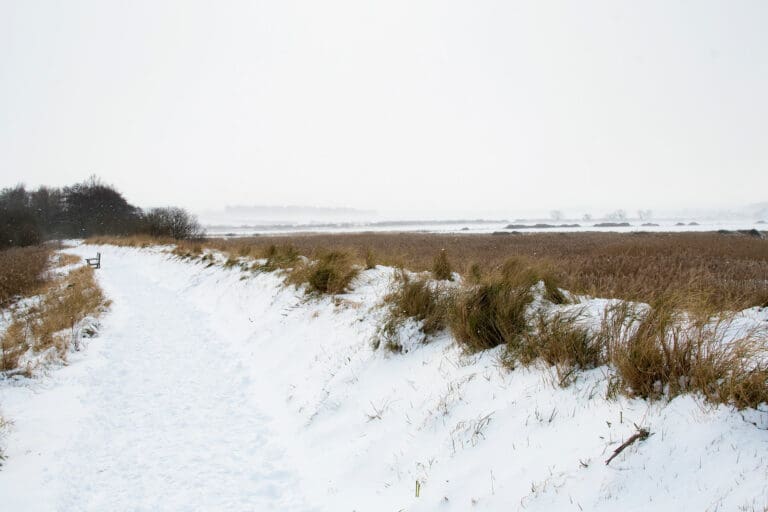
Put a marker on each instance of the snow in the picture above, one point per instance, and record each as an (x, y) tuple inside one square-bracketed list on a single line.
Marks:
[(241, 229), (212, 388)]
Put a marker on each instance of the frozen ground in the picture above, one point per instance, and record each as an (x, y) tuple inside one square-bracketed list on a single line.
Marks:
[(212, 389)]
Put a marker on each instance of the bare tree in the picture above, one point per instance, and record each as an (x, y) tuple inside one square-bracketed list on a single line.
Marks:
[(172, 222)]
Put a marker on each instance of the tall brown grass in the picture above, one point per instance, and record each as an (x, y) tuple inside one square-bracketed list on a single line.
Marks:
[(21, 272), (494, 312), (561, 340), (64, 259), (139, 241), (329, 272), (666, 351), (413, 298), (441, 267), (277, 256), (725, 271), (51, 322), (681, 342)]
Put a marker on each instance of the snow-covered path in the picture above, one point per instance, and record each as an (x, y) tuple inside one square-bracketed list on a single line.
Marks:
[(167, 419)]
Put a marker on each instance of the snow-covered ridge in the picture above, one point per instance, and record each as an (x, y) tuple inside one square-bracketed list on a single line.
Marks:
[(213, 388)]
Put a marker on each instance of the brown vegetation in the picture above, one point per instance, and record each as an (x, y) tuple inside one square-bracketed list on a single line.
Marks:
[(563, 341), (51, 321), (21, 272), (329, 272), (139, 241), (666, 351), (721, 271), (676, 344), (494, 312), (64, 259), (413, 298), (441, 267)]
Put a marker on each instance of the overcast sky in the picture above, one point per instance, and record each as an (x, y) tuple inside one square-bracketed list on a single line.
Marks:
[(473, 105)]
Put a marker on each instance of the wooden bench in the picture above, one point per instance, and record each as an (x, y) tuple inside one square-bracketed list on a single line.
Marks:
[(94, 262)]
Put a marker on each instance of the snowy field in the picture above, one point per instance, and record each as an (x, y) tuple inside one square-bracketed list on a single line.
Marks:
[(213, 389), (662, 225)]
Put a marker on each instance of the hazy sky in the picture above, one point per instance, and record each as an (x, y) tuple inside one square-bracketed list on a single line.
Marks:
[(472, 105)]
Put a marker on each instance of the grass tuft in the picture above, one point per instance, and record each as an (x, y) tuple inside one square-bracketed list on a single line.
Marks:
[(667, 352), (330, 273), (370, 259), (418, 299), (494, 312), (490, 314), (560, 340), (441, 267), (278, 257)]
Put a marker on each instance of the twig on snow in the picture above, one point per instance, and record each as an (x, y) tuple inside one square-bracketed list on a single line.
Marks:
[(641, 435)]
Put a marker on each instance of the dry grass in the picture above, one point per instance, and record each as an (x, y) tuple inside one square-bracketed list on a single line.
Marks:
[(441, 267), (139, 241), (328, 272), (63, 259), (21, 272), (677, 345), (13, 344), (490, 314), (493, 312), (413, 298), (560, 340), (50, 323), (667, 352), (370, 259), (278, 257), (192, 250), (723, 271)]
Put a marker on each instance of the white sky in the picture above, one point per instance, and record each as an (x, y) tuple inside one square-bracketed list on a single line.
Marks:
[(474, 105)]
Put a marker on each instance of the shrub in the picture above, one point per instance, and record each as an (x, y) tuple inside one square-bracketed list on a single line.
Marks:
[(171, 222), (332, 272), (441, 267), (18, 228)]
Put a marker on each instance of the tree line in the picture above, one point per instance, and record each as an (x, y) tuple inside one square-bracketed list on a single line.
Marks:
[(90, 208)]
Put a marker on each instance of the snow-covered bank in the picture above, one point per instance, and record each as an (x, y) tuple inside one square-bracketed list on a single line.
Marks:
[(211, 388)]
